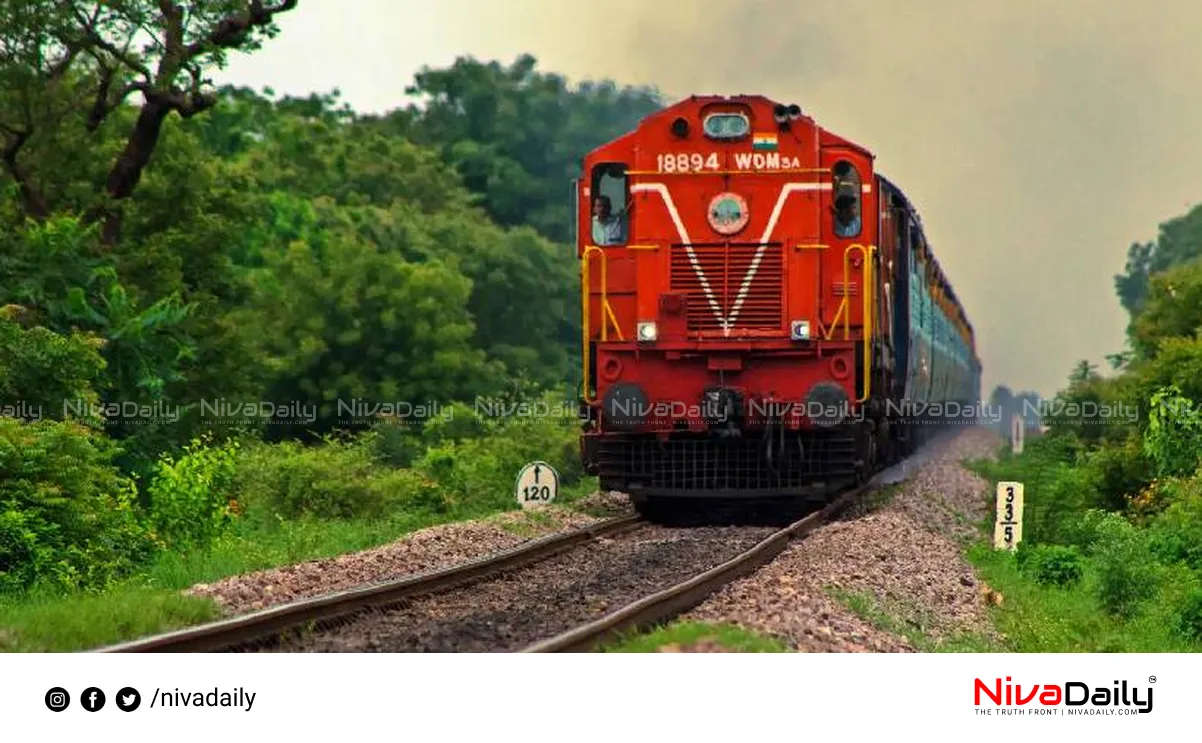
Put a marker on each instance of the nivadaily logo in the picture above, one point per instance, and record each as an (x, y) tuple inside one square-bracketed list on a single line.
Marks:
[(1072, 698)]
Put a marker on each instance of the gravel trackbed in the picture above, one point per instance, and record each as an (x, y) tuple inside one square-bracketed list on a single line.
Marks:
[(901, 561), (422, 551), (536, 602)]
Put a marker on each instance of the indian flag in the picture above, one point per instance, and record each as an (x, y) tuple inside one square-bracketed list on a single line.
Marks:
[(764, 142)]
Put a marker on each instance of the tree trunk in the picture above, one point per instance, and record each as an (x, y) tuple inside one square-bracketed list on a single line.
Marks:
[(127, 171)]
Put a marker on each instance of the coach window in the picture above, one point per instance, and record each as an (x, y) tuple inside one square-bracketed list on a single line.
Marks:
[(610, 221), (846, 199)]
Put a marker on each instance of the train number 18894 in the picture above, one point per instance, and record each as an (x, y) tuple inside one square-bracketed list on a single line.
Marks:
[(686, 162)]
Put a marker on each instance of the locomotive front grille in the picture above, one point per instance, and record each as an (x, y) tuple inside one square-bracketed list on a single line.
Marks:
[(699, 465), (727, 270)]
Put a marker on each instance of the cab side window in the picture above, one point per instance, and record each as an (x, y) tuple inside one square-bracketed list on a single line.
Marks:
[(845, 199), (610, 222)]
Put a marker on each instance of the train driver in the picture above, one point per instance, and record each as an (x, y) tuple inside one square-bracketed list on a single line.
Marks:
[(847, 216), (607, 226)]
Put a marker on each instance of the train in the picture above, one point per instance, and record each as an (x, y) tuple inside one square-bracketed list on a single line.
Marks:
[(762, 314)]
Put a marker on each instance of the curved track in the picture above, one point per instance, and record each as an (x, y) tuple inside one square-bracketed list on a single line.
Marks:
[(266, 624), (567, 592)]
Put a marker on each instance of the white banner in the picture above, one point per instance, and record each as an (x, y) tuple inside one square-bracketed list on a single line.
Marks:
[(653, 697)]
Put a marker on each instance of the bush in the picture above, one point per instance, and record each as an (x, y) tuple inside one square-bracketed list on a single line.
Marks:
[(1175, 534), (1127, 574), (478, 473), (1189, 615), (461, 462), (291, 480), (1116, 472), (67, 516), (1173, 440), (1052, 564), (44, 372), (190, 499), (395, 444)]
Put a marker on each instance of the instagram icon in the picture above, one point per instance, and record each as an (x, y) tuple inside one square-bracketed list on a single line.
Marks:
[(57, 699)]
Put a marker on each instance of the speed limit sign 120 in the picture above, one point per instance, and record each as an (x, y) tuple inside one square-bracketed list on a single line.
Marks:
[(538, 484)]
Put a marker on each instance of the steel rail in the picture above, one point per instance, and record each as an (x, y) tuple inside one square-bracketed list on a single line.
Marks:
[(248, 628), (671, 602)]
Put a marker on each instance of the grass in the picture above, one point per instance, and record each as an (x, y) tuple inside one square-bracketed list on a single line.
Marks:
[(685, 634), (1046, 619), (151, 601), (45, 622), (1035, 618), (532, 524), (912, 623)]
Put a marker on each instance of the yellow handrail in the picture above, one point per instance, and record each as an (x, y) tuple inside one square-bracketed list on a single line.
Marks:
[(867, 251), (869, 297), (608, 311)]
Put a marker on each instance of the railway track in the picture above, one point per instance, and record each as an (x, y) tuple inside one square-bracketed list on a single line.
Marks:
[(258, 626), (669, 603), (551, 595)]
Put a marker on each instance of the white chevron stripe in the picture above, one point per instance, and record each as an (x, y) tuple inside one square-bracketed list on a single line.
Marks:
[(662, 190), (745, 287), (787, 189)]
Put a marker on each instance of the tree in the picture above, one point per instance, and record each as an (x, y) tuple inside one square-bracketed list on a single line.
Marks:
[(517, 135), (342, 320), (402, 198), (1179, 242), (69, 64), (1172, 309)]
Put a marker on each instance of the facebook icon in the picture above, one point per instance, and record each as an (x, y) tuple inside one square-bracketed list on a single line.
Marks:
[(92, 699)]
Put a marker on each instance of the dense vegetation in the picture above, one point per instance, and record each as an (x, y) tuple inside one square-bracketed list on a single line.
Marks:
[(1111, 557), (176, 260)]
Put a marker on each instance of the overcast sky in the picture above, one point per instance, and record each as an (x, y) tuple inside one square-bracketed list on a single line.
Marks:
[(1038, 138)]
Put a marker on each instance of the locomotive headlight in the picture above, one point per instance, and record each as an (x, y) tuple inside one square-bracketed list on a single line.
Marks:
[(647, 331), (800, 330)]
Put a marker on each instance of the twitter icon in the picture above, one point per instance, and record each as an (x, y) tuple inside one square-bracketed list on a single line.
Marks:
[(128, 699)]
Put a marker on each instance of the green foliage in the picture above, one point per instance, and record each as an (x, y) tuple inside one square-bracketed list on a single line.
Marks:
[(68, 70), (190, 502), (516, 135), (1173, 309), (1055, 490), (1179, 243), (1175, 534), (334, 480), (480, 470), (1173, 439), (673, 637), (1094, 409), (1115, 472), (45, 621), (40, 370), (1038, 618), (410, 206), (67, 516), (53, 271), (1126, 570), (353, 164), (1189, 618), (1050, 564), (343, 320)]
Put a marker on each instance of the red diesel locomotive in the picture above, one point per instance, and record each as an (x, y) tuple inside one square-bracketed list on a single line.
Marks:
[(762, 314)]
